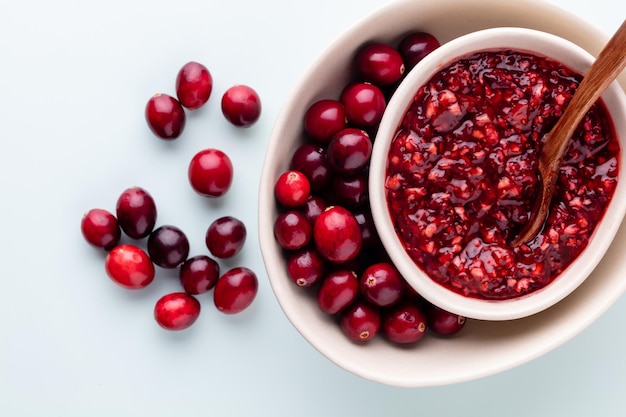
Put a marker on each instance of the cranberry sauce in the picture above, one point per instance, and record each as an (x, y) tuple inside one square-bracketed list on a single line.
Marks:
[(462, 173)]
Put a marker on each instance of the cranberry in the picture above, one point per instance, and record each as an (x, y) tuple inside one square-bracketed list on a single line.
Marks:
[(349, 151), (324, 118), (129, 266), (382, 284), (443, 322), (311, 161), (210, 173), (292, 189), (225, 237), (360, 321), (199, 274), (404, 323), (136, 212), (306, 267), (193, 85), (292, 230), (337, 291), (365, 220), (241, 105), (100, 228), (337, 235), (350, 191), (176, 311), (379, 64), (415, 46), (165, 116), (364, 103), (314, 206), (168, 246), (235, 290)]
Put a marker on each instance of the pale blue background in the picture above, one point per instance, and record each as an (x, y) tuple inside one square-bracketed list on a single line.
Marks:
[(74, 77)]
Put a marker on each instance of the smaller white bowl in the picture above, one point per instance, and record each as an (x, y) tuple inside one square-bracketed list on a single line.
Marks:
[(505, 38)]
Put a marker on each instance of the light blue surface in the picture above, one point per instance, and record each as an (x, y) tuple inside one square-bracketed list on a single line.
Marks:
[(74, 78)]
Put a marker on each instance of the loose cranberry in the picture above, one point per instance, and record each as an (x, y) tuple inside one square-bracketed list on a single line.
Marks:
[(404, 323), (443, 322), (349, 151), (379, 64), (360, 321), (176, 311), (337, 291), (292, 230), (100, 228), (311, 161), (241, 105), (350, 191), (365, 220), (168, 246), (364, 103), (323, 119), (165, 116), (136, 212), (210, 173), (415, 46), (314, 206), (306, 267), (337, 235), (199, 274), (129, 266), (292, 189), (235, 290), (193, 85), (382, 284), (225, 237)]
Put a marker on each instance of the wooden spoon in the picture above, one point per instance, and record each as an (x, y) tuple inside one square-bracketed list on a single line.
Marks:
[(605, 69)]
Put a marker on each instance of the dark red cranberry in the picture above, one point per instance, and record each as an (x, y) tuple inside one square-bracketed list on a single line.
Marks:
[(193, 85), (235, 290), (349, 151), (306, 267), (168, 246), (311, 161), (136, 212), (129, 266), (364, 218), (292, 230), (337, 291), (241, 105), (351, 191), (323, 119), (404, 323), (176, 311), (364, 103), (360, 321), (415, 46), (165, 116), (382, 284), (337, 235), (210, 173), (199, 274), (225, 237), (100, 228), (292, 189), (314, 206), (443, 322), (379, 64)]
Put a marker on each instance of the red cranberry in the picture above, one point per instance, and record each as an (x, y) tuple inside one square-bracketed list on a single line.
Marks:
[(210, 173), (364, 103), (235, 290), (415, 46), (100, 228), (379, 64), (292, 189), (199, 274), (443, 322), (136, 212), (351, 191), (311, 161), (404, 323), (292, 230), (193, 85), (349, 151), (337, 291), (360, 321), (225, 237), (165, 116), (241, 105), (324, 118), (382, 284), (306, 267), (314, 206), (129, 266), (337, 235), (364, 218), (168, 246), (176, 311)]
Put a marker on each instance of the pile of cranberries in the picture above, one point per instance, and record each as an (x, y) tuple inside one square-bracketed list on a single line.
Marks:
[(210, 172), (325, 224)]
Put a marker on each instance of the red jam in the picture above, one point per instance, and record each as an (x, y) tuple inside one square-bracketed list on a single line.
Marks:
[(462, 173)]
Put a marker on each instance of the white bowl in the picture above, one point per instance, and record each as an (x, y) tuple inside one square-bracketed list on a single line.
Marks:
[(483, 347), (541, 44)]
